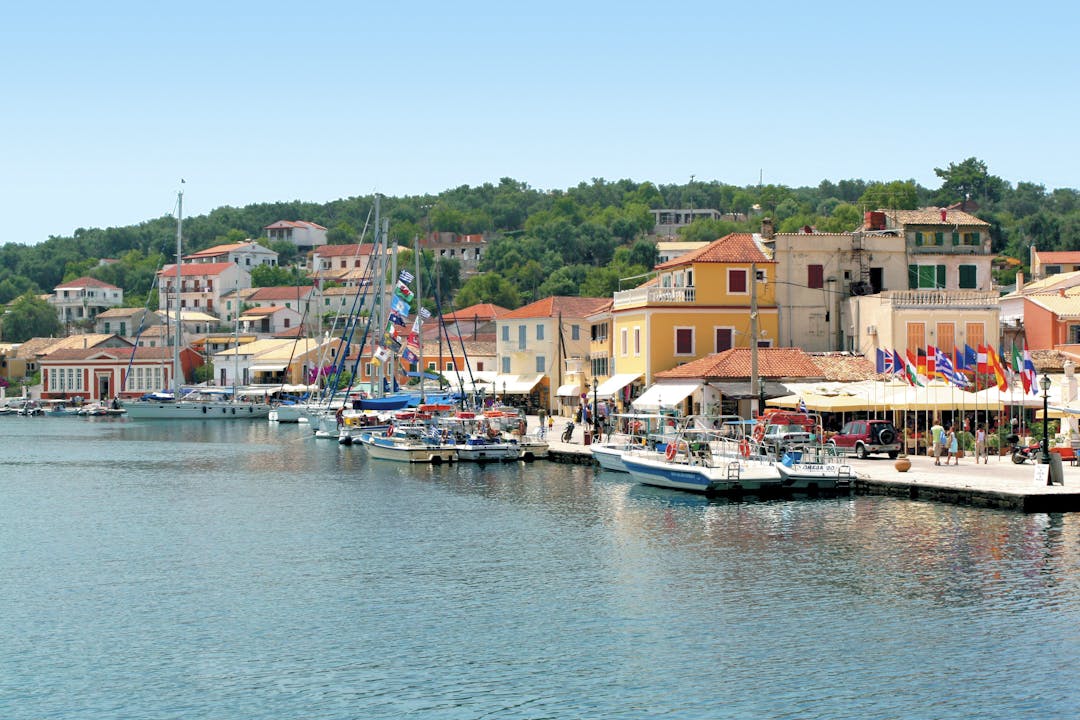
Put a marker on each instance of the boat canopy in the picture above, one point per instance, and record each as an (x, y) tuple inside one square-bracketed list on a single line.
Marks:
[(665, 395)]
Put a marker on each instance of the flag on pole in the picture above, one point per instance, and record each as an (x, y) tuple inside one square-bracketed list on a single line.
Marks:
[(402, 290), (409, 356), (1029, 372), (899, 368), (931, 362), (397, 318), (405, 276), (879, 361), (994, 361), (423, 312), (920, 362), (981, 366), (971, 359), (946, 370), (399, 305), (802, 405), (381, 355), (912, 370)]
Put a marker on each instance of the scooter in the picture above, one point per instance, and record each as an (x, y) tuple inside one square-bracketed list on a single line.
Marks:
[(1020, 455), (568, 432)]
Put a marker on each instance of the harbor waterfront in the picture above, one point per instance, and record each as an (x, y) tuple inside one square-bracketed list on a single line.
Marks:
[(228, 570)]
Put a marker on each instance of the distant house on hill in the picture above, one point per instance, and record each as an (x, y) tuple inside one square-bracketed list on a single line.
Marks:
[(84, 298), (248, 255), (304, 235)]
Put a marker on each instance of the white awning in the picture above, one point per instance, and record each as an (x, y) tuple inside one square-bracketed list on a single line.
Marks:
[(267, 368), (667, 395), (515, 384), (569, 390), (615, 383)]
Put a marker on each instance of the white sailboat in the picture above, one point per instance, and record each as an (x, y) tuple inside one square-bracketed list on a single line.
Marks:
[(197, 403)]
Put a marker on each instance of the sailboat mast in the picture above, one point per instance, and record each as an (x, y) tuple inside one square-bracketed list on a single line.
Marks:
[(177, 370), (419, 334), (380, 295)]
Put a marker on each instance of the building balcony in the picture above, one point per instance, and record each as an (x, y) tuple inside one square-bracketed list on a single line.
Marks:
[(654, 296), (970, 299)]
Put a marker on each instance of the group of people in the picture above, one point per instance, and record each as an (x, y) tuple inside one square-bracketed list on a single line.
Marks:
[(946, 443)]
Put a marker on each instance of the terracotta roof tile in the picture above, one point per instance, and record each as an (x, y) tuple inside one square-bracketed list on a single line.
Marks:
[(555, 305), (480, 311), (192, 269), (932, 216), (356, 249), (735, 364), (281, 292), (1058, 256), (733, 248), (86, 282)]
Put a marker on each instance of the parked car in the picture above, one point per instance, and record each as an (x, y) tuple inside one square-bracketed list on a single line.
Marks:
[(866, 437), (779, 438)]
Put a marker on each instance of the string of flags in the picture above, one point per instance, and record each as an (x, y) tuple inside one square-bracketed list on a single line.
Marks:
[(401, 304), (960, 367)]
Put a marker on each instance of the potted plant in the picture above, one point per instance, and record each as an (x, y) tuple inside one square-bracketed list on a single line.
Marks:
[(903, 462)]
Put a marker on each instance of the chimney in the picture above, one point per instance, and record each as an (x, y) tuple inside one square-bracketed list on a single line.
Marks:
[(1019, 281), (767, 230), (944, 214)]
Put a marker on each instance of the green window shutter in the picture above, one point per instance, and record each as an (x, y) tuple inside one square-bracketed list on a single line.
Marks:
[(975, 238), (926, 276), (956, 238), (968, 277), (913, 277), (940, 276), (939, 238), (918, 238)]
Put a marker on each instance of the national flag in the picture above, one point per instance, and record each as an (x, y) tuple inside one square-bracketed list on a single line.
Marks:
[(971, 359), (946, 370), (409, 356), (413, 339), (879, 361), (403, 290), (1029, 372), (911, 370), (423, 312), (405, 276), (899, 368), (920, 362), (397, 318), (392, 342), (981, 366), (931, 358), (381, 355), (802, 405), (994, 363), (416, 324), (399, 305)]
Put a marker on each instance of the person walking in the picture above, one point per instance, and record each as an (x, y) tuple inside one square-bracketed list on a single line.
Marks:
[(980, 445), (937, 438), (952, 445)]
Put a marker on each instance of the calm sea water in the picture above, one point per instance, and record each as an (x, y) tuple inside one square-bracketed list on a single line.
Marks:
[(248, 571)]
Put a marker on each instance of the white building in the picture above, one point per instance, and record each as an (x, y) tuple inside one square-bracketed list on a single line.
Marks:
[(84, 298)]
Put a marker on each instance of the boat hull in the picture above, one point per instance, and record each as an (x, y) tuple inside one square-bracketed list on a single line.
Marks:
[(384, 448), (185, 410), (733, 477)]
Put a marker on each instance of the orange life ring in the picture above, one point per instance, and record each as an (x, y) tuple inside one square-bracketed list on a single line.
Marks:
[(759, 432), (670, 452), (744, 447), (389, 431)]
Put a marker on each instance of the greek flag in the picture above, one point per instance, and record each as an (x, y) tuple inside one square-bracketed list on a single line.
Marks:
[(405, 276), (802, 405), (433, 431)]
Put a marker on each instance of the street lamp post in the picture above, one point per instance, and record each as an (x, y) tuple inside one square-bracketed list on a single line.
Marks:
[(504, 393), (1044, 381), (595, 405)]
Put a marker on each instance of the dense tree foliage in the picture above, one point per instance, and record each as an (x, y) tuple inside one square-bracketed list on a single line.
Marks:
[(572, 241), (30, 316)]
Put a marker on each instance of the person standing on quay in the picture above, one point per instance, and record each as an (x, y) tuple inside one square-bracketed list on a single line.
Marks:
[(937, 437), (952, 445), (980, 445)]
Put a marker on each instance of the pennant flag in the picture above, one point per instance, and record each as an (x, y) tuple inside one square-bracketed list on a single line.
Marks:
[(981, 365), (397, 318), (1029, 372), (399, 305), (405, 276), (802, 405)]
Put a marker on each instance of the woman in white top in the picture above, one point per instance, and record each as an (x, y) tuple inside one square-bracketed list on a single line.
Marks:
[(980, 445)]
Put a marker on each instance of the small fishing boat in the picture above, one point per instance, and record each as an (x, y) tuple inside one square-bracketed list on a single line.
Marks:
[(408, 443), (478, 448)]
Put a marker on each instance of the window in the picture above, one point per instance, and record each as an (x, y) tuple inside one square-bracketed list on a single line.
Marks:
[(916, 336), (521, 337), (449, 366), (431, 365), (637, 341), (968, 277), (736, 280), (926, 276), (723, 339), (575, 332), (506, 366), (974, 334), (971, 238), (368, 370), (939, 238), (107, 326), (623, 342), (815, 276), (540, 332), (946, 337), (918, 238), (1074, 334), (956, 238), (684, 341), (480, 365), (540, 364)]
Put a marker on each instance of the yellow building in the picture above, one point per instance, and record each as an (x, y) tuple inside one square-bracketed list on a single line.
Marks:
[(698, 304)]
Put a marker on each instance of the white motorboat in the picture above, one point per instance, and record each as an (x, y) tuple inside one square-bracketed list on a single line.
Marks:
[(410, 444), (478, 448)]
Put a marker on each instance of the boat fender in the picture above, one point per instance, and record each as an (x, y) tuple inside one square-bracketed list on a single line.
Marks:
[(759, 432), (670, 452), (389, 430), (234, 411), (204, 409), (744, 447)]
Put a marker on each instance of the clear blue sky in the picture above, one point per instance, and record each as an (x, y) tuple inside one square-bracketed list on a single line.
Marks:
[(106, 105)]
